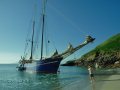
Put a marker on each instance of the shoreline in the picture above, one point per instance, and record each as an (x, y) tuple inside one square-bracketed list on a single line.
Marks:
[(105, 80), (111, 82), (108, 79)]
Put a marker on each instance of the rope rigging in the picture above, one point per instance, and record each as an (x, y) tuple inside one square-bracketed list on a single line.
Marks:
[(35, 42)]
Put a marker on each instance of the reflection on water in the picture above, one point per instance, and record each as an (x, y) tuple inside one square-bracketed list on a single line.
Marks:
[(32, 81), (93, 84), (67, 79)]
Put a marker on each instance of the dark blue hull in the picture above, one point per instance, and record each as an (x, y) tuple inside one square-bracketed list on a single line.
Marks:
[(49, 65)]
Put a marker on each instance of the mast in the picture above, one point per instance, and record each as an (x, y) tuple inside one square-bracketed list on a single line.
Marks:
[(43, 26), (31, 56)]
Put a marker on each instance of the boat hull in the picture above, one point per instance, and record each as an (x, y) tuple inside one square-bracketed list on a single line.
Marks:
[(49, 65)]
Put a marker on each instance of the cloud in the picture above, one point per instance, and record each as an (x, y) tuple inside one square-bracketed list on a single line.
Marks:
[(7, 58)]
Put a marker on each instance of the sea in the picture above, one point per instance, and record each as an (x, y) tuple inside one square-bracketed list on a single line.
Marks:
[(69, 78)]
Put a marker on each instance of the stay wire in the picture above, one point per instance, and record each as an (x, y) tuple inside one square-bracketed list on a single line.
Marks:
[(67, 19)]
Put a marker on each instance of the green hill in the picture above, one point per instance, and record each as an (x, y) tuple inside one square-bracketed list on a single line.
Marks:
[(105, 54), (112, 43)]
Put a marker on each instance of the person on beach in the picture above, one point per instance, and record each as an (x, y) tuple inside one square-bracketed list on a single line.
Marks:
[(90, 69)]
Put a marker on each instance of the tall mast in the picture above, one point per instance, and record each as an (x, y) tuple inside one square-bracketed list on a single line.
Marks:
[(31, 56), (43, 26)]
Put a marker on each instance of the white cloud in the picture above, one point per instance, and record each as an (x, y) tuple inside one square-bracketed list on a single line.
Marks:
[(6, 58)]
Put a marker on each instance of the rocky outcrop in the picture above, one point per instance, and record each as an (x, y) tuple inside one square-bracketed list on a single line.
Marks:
[(103, 59), (104, 55)]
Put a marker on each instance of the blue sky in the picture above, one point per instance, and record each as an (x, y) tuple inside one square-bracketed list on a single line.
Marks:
[(66, 21)]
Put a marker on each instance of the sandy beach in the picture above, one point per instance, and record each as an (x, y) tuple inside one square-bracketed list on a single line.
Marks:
[(103, 81), (107, 80), (109, 83)]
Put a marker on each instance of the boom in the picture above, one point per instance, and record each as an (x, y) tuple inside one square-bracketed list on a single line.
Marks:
[(71, 49)]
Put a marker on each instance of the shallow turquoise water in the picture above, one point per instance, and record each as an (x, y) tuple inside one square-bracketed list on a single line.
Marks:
[(11, 79)]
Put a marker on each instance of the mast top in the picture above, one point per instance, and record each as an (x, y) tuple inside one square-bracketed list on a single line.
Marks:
[(44, 7), (43, 25)]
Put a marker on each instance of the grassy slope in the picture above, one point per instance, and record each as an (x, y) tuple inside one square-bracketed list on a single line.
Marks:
[(110, 45)]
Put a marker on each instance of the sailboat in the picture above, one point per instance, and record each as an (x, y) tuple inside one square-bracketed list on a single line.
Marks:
[(50, 64)]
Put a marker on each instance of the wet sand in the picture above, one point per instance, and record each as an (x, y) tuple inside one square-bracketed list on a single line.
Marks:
[(107, 83), (103, 81)]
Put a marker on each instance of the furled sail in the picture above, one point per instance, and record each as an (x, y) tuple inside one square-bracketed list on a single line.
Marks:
[(71, 49)]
